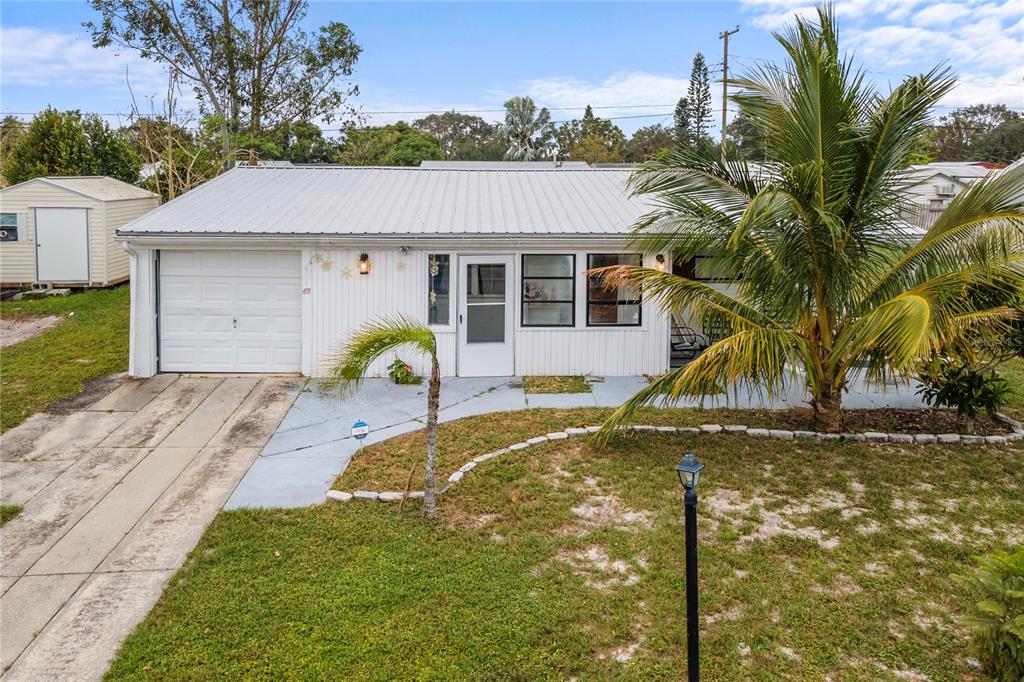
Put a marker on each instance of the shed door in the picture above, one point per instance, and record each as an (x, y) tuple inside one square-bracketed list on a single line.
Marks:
[(62, 244), (230, 311)]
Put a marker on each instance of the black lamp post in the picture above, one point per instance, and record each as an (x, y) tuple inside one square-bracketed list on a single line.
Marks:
[(689, 469)]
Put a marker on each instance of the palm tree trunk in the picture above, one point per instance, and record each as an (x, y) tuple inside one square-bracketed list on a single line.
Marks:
[(828, 405), (433, 398)]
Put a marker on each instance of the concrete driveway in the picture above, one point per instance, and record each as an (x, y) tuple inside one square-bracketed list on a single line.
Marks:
[(115, 496)]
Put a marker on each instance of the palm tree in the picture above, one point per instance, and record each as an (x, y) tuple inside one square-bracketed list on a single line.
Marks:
[(526, 129), (374, 340), (832, 283)]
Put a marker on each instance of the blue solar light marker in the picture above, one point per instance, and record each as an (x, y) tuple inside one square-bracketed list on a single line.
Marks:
[(359, 431)]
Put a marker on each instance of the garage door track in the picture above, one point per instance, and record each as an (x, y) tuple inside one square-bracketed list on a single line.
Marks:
[(115, 497)]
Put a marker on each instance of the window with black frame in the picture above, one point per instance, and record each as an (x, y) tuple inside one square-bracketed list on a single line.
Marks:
[(549, 290), (439, 296), (615, 306)]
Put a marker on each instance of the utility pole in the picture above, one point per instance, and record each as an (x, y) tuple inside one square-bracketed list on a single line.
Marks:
[(724, 35)]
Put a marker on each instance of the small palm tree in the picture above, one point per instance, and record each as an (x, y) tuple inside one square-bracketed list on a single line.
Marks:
[(526, 129), (371, 342), (831, 281)]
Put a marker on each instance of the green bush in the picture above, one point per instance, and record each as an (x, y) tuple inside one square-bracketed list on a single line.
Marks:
[(997, 620), (401, 373), (948, 384)]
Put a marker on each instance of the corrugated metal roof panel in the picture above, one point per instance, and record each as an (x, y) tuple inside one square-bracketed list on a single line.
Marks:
[(342, 200), (100, 187)]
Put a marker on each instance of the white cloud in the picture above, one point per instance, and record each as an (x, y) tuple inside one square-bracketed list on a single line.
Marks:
[(35, 57), (982, 40)]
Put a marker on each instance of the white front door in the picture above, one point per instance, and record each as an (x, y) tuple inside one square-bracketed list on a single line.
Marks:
[(62, 244), (230, 311), (486, 306)]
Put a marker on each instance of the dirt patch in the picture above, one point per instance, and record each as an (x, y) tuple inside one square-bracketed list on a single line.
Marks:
[(600, 571), (729, 506), (893, 420), (94, 390), (17, 329)]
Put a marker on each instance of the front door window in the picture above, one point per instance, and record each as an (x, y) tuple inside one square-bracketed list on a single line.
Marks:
[(485, 303)]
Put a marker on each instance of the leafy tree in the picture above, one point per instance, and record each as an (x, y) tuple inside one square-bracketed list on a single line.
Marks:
[(591, 139), (11, 128), (375, 340), (745, 139), (463, 137), (1004, 144), (648, 142), (301, 142), (180, 159), (526, 130), (956, 134), (250, 63), (68, 143), (398, 144), (829, 288)]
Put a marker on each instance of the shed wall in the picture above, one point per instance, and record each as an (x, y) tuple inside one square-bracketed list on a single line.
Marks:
[(108, 261)]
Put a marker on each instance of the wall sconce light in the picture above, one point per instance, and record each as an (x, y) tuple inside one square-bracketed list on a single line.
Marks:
[(659, 262), (365, 265)]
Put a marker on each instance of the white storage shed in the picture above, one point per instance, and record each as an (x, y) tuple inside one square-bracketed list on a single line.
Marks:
[(61, 231)]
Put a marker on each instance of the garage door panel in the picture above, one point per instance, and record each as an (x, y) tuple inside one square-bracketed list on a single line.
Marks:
[(230, 311)]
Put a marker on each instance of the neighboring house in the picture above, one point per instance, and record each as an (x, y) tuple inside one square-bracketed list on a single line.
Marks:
[(61, 230), (930, 187), (269, 269)]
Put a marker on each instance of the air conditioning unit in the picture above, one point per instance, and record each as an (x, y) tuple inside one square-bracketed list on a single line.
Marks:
[(945, 190)]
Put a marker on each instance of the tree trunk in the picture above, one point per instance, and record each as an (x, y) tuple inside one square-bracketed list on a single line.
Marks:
[(433, 398), (828, 404)]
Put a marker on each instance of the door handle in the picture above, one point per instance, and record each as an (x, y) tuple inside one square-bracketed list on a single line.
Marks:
[(234, 322), (460, 318)]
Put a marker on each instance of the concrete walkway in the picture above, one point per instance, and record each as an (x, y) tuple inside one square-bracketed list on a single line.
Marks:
[(313, 443), (115, 497)]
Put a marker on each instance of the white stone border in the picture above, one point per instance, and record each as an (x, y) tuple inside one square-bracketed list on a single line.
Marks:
[(735, 429)]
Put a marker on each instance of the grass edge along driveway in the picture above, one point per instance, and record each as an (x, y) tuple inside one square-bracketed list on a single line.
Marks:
[(91, 342)]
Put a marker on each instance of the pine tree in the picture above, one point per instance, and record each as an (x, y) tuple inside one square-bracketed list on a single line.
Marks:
[(683, 122), (699, 98)]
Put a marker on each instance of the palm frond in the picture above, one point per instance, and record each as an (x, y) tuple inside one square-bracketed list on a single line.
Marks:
[(349, 364)]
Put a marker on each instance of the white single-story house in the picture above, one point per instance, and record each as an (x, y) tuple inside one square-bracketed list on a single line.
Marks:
[(61, 230), (268, 269)]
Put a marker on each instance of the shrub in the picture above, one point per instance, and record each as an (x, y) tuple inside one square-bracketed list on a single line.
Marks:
[(948, 384), (997, 620), (401, 373)]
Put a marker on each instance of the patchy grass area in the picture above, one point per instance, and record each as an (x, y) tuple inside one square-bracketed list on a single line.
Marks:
[(1013, 371), (8, 512), (565, 561), (562, 384), (91, 342), (385, 465)]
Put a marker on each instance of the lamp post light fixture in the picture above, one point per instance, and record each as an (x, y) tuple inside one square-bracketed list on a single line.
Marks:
[(659, 262), (689, 469), (364, 264)]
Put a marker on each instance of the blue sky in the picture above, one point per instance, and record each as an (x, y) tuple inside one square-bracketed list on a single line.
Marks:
[(615, 56)]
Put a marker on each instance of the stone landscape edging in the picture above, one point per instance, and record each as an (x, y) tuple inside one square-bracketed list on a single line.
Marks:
[(877, 437)]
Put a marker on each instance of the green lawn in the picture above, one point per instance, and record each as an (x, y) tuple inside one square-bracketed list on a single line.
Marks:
[(565, 561), (92, 342), (8, 512), (1013, 371), (555, 384)]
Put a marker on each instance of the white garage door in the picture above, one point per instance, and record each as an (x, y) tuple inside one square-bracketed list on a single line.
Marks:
[(230, 311)]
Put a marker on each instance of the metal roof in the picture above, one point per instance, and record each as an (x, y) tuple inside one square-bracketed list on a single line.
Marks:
[(99, 187), (503, 165), (384, 201)]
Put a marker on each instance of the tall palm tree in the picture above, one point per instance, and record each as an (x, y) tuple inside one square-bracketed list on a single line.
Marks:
[(374, 340), (832, 282), (526, 129)]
